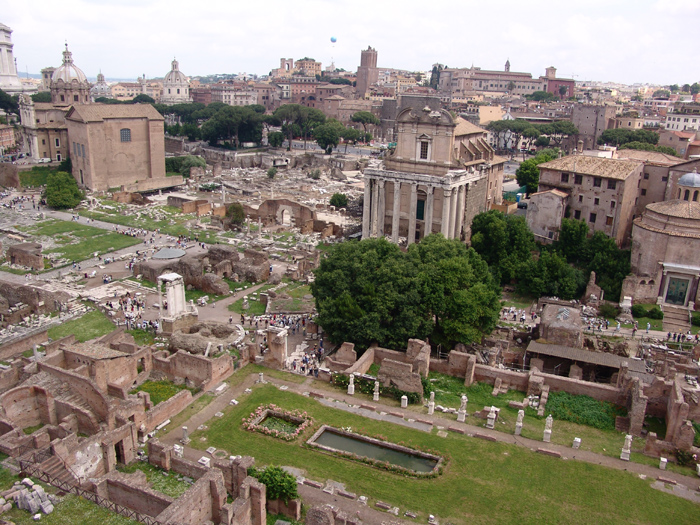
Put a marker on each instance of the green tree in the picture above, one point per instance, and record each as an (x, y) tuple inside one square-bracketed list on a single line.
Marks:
[(661, 93), (189, 162), (562, 91), (504, 242), (644, 146), (620, 136), (235, 213), (62, 191), (339, 200), (327, 135), (562, 129), (529, 136), (551, 275), (271, 172), (542, 96), (542, 141), (142, 99), (42, 96), (275, 139), (279, 483), (695, 88), (528, 174), (365, 118), (674, 88), (9, 103), (351, 135), (572, 238)]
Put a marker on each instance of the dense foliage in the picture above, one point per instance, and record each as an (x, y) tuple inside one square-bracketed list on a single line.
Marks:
[(279, 483), (339, 200), (597, 253), (583, 410), (550, 275), (183, 165), (275, 139), (528, 174), (62, 191), (620, 136), (370, 291), (645, 146), (235, 213)]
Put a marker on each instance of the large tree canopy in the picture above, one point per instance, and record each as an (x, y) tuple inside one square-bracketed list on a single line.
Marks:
[(528, 174), (371, 292), (62, 191)]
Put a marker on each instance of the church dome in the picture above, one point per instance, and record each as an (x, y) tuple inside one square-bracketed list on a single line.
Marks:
[(101, 88), (175, 76), (690, 180), (68, 71)]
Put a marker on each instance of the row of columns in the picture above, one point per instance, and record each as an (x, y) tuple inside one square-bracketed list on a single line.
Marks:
[(375, 210)]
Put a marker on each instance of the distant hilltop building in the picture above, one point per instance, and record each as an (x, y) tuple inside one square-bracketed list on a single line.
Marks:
[(176, 86), (9, 80), (101, 88), (69, 85)]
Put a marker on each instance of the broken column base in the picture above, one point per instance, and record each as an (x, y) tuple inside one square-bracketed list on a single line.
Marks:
[(547, 436)]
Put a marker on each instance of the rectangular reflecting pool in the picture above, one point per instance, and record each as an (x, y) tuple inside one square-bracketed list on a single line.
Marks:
[(335, 440)]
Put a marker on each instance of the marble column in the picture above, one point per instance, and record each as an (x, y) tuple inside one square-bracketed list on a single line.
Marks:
[(396, 218), (428, 210), (412, 214), (366, 207), (446, 197), (460, 211), (381, 208), (453, 212), (375, 208)]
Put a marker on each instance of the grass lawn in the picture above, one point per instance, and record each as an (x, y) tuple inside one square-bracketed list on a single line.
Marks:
[(517, 301), (195, 407), (483, 482), (91, 325), (295, 301), (71, 511), (142, 337), (159, 390), (78, 242), (160, 480), (255, 307)]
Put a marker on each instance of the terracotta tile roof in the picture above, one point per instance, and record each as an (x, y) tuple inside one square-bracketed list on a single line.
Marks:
[(464, 127), (649, 157), (556, 192), (596, 166), (95, 351), (677, 208), (99, 112)]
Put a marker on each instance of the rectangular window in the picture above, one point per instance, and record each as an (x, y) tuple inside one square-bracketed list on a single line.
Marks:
[(612, 205), (57, 142), (578, 179), (596, 201), (420, 210), (43, 142), (125, 135), (612, 184), (646, 176), (565, 177), (608, 221), (82, 150), (580, 198), (577, 214), (592, 218), (597, 182), (644, 192), (75, 98), (664, 178), (58, 157), (423, 150)]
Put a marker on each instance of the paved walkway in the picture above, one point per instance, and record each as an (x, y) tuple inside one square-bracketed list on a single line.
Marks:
[(687, 485)]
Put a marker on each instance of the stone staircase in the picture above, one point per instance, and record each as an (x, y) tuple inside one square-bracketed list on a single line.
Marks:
[(676, 319), (55, 468)]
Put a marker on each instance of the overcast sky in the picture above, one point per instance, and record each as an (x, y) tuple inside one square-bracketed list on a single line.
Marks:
[(629, 41)]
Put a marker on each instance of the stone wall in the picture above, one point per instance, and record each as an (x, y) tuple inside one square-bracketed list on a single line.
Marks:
[(132, 491), (174, 145), (9, 175), (14, 348), (167, 409), (202, 371), (82, 386), (202, 502)]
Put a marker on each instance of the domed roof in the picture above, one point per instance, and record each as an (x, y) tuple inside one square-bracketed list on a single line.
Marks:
[(68, 71), (175, 76), (690, 180)]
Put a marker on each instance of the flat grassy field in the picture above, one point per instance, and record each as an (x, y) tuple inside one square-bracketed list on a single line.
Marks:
[(77, 242), (159, 390), (91, 325), (483, 482), (160, 480)]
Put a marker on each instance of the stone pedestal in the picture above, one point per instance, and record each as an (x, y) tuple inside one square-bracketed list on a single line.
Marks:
[(431, 408), (351, 389), (404, 402), (547, 437), (461, 415), (185, 438), (662, 463), (577, 443), (491, 418), (260, 378), (375, 396), (519, 422), (518, 428), (178, 451), (627, 448)]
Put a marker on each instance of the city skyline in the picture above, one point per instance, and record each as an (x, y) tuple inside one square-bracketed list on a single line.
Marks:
[(605, 41)]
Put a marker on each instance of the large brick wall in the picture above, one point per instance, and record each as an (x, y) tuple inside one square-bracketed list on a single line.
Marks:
[(14, 348)]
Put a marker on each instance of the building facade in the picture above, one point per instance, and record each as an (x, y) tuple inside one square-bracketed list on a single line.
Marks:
[(176, 86), (9, 80), (424, 186), (591, 121), (367, 73), (118, 145), (603, 192)]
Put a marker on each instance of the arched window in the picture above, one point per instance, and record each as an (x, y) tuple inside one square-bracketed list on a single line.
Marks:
[(687, 195), (695, 196), (125, 135)]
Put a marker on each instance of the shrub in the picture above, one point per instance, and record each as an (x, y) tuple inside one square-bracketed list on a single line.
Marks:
[(339, 200), (62, 191), (638, 311), (315, 174), (280, 484), (695, 319), (272, 172), (655, 313), (608, 310), (583, 410)]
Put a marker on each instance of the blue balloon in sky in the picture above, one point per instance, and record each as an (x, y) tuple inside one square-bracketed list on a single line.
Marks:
[(334, 39)]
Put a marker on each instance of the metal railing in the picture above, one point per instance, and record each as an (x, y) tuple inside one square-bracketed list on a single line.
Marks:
[(32, 465)]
